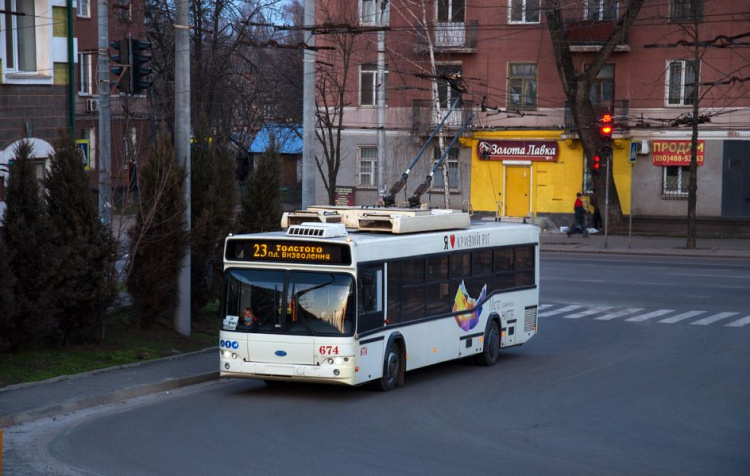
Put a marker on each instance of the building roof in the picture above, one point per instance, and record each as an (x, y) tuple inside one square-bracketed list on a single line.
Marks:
[(289, 138)]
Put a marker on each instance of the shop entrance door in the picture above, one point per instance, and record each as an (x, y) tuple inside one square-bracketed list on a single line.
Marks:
[(517, 191)]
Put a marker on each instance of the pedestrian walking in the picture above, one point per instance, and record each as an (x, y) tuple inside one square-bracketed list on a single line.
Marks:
[(580, 218)]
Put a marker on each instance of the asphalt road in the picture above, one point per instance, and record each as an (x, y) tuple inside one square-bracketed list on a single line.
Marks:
[(627, 395)]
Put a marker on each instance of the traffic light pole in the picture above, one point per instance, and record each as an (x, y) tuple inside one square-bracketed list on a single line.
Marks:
[(104, 136), (606, 198)]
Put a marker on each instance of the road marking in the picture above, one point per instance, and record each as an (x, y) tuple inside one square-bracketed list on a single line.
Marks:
[(709, 275), (711, 319), (615, 315), (681, 317), (650, 315), (740, 322), (559, 311), (550, 278), (543, 306), (595, 310)]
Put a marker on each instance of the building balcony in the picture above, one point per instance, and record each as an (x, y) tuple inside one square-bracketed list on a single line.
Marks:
[(618, 109), (449, 37), (589, 36), (424, 119)]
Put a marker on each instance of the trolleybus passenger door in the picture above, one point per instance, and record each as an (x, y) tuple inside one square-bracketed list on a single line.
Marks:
[(370, 317)]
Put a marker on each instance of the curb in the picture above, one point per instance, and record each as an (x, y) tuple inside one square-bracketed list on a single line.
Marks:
[(113, 397)]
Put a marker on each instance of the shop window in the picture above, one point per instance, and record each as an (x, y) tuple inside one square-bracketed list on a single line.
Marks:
[(676, 181)]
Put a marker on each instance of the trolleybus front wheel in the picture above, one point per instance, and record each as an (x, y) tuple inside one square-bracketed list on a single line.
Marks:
[(391, 368)]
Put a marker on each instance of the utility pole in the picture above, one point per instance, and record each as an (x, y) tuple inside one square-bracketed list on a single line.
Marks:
[(308, 109), (105, 117), (380, 95), (182, 150)]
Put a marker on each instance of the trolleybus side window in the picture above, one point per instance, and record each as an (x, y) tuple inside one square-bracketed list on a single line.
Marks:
[(524, 266)]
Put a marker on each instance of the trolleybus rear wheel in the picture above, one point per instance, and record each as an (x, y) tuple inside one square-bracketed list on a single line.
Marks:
[(491, 349)]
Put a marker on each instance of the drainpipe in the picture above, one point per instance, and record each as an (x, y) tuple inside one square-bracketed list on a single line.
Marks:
[(71, 72)]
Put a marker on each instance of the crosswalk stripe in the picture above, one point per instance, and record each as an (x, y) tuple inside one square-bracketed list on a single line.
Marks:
[(543, 306), (711, 319), (681, 317), (740, 322), (650, 315), (559, 311), (595, 310), (615, 315)]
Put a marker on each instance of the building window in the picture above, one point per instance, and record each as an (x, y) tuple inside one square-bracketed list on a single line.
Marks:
[(522, 85), (588, 181), (453, 11), (524, 11), (681, 79), (368, 76), (370, 12), (83, 8), (367, 167), (602, 92), (20, 36), (598, 10), (86, 74), (438, 184), (686, 10), (676, 180)]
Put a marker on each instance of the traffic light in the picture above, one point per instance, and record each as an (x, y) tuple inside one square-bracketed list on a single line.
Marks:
[(140, 54), (606, 127), (597, 163), (121, 67)]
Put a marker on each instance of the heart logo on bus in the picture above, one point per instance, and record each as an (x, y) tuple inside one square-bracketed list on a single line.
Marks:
[(453, 241)]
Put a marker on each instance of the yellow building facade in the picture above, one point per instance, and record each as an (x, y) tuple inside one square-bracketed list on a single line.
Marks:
[(527, 173)]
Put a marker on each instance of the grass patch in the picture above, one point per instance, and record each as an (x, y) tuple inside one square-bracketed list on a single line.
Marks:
[(123, 344)]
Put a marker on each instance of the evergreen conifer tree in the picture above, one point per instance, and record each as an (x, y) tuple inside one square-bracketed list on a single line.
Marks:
[(261, 200), (158, 238), (8, 305), (84, 249), (26, 233), (214, 198)]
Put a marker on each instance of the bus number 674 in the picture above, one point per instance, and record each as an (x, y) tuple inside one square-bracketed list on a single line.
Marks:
[(328, 350)]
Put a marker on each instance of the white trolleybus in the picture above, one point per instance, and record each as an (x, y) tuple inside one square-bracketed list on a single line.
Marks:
[(349, 295)]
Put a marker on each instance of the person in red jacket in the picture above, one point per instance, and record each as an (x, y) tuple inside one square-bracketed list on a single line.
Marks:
[(580, 214)]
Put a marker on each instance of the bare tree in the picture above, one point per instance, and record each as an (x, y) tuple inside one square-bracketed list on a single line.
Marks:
[(577, 84), (333, 77)]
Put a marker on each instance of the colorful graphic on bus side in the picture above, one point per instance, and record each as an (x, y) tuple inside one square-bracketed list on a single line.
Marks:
[(463, 301)]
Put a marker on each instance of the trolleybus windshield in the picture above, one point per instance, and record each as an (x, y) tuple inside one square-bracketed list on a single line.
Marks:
[(289, 302)]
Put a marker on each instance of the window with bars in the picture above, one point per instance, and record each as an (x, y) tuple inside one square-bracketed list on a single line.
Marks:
[(676, 181), (524, 11), (681, 79), (598, 10), (368, 77), (686, 10), (367, 166), (522, 85), (451, 160)]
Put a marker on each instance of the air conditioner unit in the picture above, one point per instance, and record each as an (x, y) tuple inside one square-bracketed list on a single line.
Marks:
[(643, 147), (92, 105)]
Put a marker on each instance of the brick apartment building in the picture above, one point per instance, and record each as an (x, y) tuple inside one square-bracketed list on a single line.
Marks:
[(531, 161), (35, 92)]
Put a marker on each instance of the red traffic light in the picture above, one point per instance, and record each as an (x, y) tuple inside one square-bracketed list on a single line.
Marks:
[(597, 163), (605, 126)]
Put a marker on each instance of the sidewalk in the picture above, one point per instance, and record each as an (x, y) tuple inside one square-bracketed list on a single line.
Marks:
[(28, 402)]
